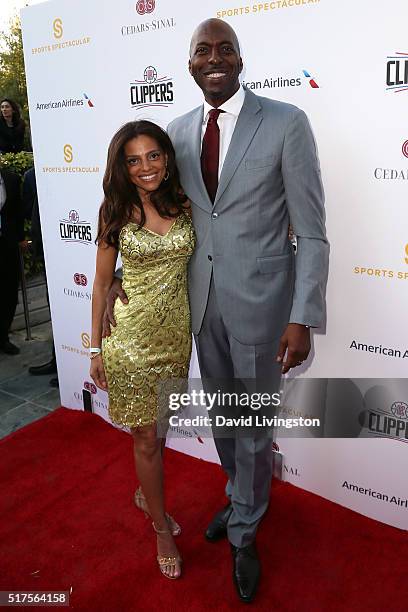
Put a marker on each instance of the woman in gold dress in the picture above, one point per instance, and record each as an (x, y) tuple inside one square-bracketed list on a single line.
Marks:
[(145, 217)]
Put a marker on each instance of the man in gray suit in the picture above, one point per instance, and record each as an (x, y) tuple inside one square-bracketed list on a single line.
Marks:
[(249, 166), (252, 301)]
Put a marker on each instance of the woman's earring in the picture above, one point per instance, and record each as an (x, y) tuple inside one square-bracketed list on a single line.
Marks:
[(166, 176)]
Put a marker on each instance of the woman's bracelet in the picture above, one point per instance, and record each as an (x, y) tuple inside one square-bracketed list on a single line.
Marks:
[(94, 352)]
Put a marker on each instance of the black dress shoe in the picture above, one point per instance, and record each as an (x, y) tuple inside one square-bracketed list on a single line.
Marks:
[(246, 571), (217, 529), (45, 368), (9, 348)]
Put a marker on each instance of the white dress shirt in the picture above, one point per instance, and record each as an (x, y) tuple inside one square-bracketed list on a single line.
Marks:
[(226, 122)]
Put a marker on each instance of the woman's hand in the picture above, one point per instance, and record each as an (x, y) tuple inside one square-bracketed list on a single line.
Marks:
[(97, 372)]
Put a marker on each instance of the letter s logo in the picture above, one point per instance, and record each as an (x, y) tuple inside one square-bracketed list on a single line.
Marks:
[(406, 253), (86, 340), (57, 26), (68, 155)]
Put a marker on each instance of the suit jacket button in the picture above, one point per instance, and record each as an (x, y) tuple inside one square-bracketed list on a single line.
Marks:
[(214, 215), (209, 258)]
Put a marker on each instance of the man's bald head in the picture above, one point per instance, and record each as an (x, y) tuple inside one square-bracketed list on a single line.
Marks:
[(207, 26)]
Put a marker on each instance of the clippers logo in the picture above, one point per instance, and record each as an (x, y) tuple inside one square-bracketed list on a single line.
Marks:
[(75, 230), (73, 216), (397, 72), (80, 279), (57, 28), (152, 91), (400, 410), (150, 74), (405, 148), (90, 387), (145, 6), (392, 424), (68, 155), (312, 82)]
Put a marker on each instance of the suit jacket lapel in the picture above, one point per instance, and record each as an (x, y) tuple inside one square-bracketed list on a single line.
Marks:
[(247, 124), (197, 189)]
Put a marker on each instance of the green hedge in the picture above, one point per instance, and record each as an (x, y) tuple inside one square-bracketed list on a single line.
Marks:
[(17, 162)]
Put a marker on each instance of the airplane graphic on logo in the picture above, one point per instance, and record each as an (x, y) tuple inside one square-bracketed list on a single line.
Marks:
[(312, 82), (90, 103)]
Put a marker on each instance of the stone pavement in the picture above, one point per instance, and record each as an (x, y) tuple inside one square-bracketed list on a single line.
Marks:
[(25, 398)]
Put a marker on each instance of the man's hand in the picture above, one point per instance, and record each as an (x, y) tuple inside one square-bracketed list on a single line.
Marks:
[(295, 342), (97, 372), (108, 318), (24, 245)]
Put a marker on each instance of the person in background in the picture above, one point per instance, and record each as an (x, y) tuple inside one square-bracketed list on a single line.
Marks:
[(12, 127), (31, 212), (11, 237)]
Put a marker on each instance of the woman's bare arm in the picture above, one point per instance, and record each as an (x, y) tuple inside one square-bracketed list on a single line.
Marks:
[(105, 267)]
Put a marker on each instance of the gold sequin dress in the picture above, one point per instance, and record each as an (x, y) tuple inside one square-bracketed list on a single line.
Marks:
[(152, 338)]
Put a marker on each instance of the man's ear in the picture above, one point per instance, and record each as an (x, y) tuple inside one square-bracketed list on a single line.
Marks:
[(189, 66)]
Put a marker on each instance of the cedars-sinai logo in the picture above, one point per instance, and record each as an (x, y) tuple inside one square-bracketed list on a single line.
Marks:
[(80, 279), (145, 6), (90, 387), (152, 91), (79, 293)]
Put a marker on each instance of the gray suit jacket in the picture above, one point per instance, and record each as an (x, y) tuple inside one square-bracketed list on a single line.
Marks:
[(270, 177)]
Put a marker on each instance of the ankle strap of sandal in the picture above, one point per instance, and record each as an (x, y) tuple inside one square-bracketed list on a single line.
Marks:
[(160, 530)]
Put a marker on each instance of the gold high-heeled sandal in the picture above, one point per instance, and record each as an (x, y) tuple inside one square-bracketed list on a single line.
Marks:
[(167, 561), (140, 502)]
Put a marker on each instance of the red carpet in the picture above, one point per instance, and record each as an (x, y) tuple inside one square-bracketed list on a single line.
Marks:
[(68, 520)]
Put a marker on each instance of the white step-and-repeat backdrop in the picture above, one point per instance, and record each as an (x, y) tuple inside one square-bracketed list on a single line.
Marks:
[(89, 69)]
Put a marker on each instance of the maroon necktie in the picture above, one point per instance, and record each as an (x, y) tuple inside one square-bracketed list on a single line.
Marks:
[(210, 153)]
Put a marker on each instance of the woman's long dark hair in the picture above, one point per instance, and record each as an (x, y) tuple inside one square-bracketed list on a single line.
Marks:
[(121, 195), (17, 120)]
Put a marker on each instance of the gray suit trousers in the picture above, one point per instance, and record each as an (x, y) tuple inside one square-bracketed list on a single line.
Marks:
[(246, 460)]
